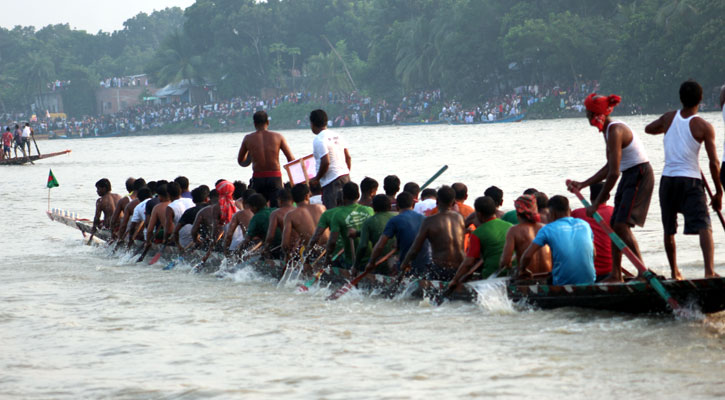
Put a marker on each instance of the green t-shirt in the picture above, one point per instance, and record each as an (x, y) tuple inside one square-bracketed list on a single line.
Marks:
[(349, 216), (259, 223), (324, 222), (372, 228), (511, 217), (492, 237)]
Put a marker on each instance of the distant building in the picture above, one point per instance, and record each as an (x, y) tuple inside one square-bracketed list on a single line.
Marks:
[(184, 92), (48, 101), (118, 94)]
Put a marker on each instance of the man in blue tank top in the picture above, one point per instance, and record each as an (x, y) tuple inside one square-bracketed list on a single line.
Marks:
[(681, 187), (626, 157)]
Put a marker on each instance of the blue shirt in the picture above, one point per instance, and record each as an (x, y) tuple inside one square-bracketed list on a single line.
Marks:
[(404, 227), (572, 250)]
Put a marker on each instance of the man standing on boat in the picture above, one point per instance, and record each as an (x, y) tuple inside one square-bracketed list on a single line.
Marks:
[(27, 132), (261, 149), (625, 156), (681, 187), (332, 158)]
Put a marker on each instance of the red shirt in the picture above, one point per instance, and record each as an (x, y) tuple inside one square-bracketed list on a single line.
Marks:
[(602, 243), (7, 138)]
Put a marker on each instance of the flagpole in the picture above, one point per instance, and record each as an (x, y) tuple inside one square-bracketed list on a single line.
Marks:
[(48, 199)]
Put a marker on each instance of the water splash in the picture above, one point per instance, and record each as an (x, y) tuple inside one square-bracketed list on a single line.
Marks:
[(492, 295)]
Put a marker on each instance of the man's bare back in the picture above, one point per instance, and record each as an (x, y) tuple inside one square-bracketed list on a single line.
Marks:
[(445, 232), (276, 220), (518, 239), (300, 223), (263, 148), (158, 217), (105, 206)]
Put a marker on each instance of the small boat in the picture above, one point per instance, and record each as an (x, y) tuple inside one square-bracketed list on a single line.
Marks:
[(24, 160), (706, 295), (88, 136), (513, 118)]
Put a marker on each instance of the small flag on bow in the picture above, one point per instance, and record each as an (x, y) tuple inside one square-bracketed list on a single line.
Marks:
[(52, 182)]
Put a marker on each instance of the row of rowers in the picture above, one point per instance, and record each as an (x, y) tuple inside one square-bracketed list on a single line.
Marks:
[(433, 234)]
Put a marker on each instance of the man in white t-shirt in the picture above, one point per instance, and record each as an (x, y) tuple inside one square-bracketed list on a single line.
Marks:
[(26, 136), (332, 158)]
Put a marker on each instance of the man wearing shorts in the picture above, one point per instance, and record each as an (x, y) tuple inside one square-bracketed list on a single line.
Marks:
[(261, 149), (626, 157), (332, 159), (7, 142), (681, 187)]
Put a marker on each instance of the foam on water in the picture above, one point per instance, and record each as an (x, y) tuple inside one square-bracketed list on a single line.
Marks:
[(492, 295)]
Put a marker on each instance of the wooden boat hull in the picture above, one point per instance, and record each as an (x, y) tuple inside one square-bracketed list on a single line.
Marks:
[(706, 295), (24, 160)]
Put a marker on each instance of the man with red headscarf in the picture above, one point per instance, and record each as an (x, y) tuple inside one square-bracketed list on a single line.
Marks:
[(520, 236), (625, 156)]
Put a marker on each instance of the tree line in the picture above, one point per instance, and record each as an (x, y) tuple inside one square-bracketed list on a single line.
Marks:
[(470, 49)]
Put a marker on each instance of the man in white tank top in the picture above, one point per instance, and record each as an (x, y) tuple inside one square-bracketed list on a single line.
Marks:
[(681, 186), (625, 156)]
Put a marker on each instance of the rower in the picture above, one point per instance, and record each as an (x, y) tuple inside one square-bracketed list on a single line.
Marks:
[(572, 248), (273, 238), (183, 183), (372, 229), (486, 242), (368, 189), (260, 221), (237, 227), (105, 205), (626, 157), (299, 224), (602, 242), (404, 228), (427, 203), (155, 200), (205, 220), (177, 206), (519, 238), (261, 148), (346, 223), (391, 186), (239, 189), (182, 230), (157, 219), (512, 216), (681, 187), (445, 233), (129, 209), (412, 188), (119, 211), (496, 194), (315, 193), (136, 223)]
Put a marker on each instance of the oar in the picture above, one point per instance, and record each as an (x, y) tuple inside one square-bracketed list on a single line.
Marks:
[(438, 300), (346, 288), (36, 144), (157, 256), (709, 192), (212, 243), (649, 275), (143, 255), (307, 285), (180, 258), (434, 177)]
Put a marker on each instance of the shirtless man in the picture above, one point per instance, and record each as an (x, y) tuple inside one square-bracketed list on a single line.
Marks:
[(445, 232), (129, 209), (520, 236), (681, 187), (240, 221), (158, 216), (105, 205), (300, 223), (276, 221), (261, 149), (368, 189), (138, 216), (626, 157), (119, 212), (205, 223)]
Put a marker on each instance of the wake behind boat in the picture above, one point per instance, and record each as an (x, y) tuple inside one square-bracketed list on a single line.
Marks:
[(706, 295)]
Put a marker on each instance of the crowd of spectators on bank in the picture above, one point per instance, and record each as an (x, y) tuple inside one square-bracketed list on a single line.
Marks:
[(353, 109)]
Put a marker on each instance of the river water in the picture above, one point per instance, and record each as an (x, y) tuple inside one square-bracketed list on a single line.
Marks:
[(77, 322)]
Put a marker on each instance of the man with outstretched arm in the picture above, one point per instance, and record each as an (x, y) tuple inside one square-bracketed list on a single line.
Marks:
[(261, 149), (625, 156), (681, 187)]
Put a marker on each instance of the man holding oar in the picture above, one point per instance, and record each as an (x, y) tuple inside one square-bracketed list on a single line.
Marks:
[(681, 187), (105, 205), (625, 156)]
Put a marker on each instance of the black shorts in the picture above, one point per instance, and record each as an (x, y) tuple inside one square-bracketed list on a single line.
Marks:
[(435, 272), (631, 202), (332, 192), (686, 196), (267, 187)]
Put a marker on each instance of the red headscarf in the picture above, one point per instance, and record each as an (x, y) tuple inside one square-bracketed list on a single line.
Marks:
[(526, 208), (601, 107), (226, 201)]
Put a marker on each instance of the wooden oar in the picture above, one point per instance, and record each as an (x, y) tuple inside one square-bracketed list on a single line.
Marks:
[(212, 243), (709, 192), (346, 288), (646, 273), (434, 177), (36, 144), (307, 285), (157, 256)]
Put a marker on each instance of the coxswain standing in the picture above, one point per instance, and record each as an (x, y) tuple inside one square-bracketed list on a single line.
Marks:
[(625, 156), (332, 159), (261, 149), (681, 187)]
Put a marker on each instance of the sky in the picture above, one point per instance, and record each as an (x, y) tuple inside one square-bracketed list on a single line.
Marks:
[(89, 15)]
